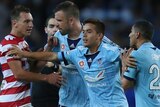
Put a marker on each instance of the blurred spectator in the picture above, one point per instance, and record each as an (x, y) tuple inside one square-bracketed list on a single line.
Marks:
[(42, 93)]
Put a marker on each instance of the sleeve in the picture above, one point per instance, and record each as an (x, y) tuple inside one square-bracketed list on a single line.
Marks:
[(108, 41), (131, 73), (4, 49), (67, 56), (56, 48), (114, 54)]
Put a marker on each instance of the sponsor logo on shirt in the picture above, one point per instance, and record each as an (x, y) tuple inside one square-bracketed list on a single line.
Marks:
[(154, 96), (98, 77), (72, 46), (100, 61), (155, 57)]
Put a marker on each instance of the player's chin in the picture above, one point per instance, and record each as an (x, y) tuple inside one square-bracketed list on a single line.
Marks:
[(63, 32), (28, 34), (85, 44)]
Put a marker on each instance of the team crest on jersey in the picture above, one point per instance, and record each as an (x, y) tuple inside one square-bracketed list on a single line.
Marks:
[(62, 46), (81, 64)]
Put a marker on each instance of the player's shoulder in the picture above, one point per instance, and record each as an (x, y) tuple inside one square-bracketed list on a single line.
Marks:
[(138, 54), (7, 39), (6, 43), (81, 48), (109, 47), (110, 52)]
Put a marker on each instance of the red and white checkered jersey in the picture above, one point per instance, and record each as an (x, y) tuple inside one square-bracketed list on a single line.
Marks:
[(13, 93)]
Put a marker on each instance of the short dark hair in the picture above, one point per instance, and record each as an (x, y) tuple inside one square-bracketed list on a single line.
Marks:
[(100, 26), (145, 28), (46, 23), (17, 10), (69, 8)]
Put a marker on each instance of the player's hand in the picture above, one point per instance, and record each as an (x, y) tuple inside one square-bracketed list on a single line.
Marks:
[(55, 79), (52, 41), (127, 60), (15, 52)]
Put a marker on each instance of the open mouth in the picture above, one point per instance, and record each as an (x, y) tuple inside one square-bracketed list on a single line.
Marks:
[(29, 30), (85, 40)]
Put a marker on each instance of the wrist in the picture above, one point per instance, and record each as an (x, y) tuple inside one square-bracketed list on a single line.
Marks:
[(47, 47), (44, 78), (124, 68)]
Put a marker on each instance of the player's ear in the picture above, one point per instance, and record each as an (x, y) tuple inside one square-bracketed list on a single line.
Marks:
[(71, 20), (138, 35), (101, 35), (45, 29), (14, 22)]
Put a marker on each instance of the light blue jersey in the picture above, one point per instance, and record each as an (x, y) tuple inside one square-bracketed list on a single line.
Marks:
[(146, 75), (100, 71), (73, 93)]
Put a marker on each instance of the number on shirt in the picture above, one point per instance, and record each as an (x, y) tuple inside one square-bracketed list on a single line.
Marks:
[(155, 68)]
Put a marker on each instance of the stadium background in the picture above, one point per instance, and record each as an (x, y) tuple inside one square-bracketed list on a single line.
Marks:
[(118, 15)]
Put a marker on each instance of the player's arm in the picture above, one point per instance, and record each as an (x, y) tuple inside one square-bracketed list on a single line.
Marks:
[(17, 53), (23, 75), (51, 43), (127, 83), (129, 75), (127, 60)]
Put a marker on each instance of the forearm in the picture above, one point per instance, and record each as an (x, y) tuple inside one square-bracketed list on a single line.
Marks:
[(126, 84), (47, 48), (31, 77), (48, 56), (36, 65)]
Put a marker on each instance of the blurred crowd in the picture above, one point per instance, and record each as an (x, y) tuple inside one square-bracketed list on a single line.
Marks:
[(118, 16)]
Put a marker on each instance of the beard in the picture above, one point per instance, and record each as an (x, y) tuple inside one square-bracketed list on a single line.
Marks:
[(133, 46), (64, 32)]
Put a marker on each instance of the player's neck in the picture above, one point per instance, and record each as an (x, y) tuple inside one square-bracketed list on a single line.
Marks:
[(75, 31), (15, 33), (142, 41), (93, 49)]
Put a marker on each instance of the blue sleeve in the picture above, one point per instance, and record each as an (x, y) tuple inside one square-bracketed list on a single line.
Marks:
[(114, 55), (67, 56), (108, 41), (57, 47), (131, 72), (60, 58)]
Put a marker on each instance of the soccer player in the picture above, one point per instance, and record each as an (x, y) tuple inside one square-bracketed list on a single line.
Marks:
[(69, 37), (145, 77), (1, 77), (97, 62), (44, 94), (73, 92), (15, 90)]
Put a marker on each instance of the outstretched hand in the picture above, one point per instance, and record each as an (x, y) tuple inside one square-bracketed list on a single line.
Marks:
[(127, 60), (15, 52)]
